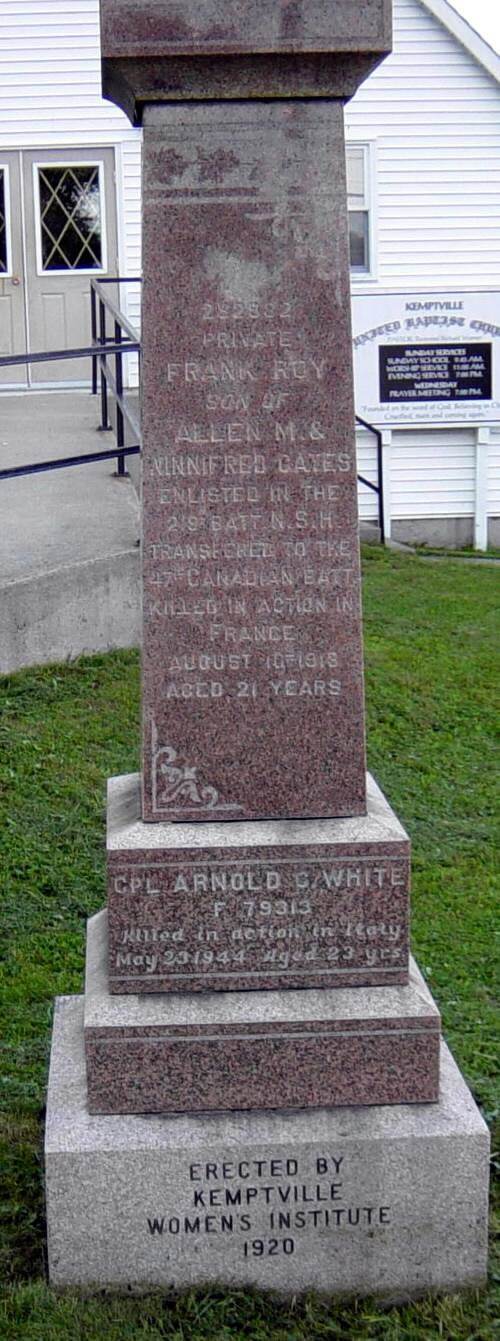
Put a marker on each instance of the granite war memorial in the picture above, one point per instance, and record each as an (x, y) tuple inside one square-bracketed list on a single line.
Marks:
[(253, 1088)]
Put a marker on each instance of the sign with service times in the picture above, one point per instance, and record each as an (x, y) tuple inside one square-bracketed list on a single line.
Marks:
[(430, 358)]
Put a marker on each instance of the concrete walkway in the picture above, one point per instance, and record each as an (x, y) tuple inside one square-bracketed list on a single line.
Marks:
[(490, 559), (69, 561)]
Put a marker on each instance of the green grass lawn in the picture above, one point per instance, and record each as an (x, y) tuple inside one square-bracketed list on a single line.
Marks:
[(429, 638)]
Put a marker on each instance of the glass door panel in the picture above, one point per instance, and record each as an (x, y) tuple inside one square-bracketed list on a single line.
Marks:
[(71, 235)]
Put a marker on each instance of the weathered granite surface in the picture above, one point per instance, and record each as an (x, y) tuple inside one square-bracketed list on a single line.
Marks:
[(252, 657), (163, 27), (165, 49), (224, 1050), (384, 1201), (276, 903)]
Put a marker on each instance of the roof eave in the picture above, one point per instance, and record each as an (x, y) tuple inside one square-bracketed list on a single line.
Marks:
[(465, 34)]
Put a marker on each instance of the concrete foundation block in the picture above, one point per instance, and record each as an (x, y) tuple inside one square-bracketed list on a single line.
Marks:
[(378, 1201)]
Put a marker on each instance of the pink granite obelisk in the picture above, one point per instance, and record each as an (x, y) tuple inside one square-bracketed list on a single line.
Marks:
[(252, 648), (254, 953), (255, 858)]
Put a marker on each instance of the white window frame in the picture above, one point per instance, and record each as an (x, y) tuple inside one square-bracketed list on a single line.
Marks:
[(69, 163), (8, 273), (370, 177)]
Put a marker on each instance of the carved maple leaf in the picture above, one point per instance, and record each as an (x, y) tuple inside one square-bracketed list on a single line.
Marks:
[(215, 166), (173, 164)]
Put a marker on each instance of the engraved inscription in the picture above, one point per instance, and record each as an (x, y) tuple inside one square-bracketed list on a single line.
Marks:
[(230, 531), (249, 471), (225, 919), (269, 1205)]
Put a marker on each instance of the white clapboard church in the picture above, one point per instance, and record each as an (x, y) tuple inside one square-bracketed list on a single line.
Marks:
[(424, 196)]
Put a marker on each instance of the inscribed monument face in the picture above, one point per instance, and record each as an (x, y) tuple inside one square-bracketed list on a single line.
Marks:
[(252, 670), (278, 903)]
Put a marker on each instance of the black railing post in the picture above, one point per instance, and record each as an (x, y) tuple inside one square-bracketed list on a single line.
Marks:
[(93, 333), (120, 426), (380, 471), (377, 488), (104, 424)]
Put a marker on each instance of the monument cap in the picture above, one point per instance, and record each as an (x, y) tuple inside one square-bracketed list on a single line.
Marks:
[(162, 50)]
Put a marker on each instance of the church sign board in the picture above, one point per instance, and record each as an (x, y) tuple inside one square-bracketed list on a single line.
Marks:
[(428, 358)]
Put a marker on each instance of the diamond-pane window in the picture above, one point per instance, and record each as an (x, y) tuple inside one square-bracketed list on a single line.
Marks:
[(3, 225), (70, 217)]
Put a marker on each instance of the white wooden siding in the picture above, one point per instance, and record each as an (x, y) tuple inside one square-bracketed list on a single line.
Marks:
[(50, 96), (433, 114), (432, 473), (50, 76), (128, 174), (131, 260), (367, 465), (431, 111), (131, 177), (494, 474)]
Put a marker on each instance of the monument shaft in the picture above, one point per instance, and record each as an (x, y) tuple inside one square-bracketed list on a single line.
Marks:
[(252, 666)]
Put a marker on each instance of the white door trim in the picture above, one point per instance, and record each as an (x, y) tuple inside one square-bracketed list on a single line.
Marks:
[(22, 203), (21, 215)]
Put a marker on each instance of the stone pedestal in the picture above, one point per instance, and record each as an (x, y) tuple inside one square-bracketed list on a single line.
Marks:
[(266, 904), (389, 1201), (185, 1052)]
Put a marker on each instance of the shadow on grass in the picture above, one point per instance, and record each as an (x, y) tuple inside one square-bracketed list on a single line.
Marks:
[(22, 1205)]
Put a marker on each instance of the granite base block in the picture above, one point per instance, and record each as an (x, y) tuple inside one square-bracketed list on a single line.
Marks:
[(187, 1052), (264, 904), (384, 1201)]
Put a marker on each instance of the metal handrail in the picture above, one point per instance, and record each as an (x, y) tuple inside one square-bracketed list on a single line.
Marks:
[(123, 341), (83, 459), (85, 352), (95, 285), (100, 307), (378, 488)]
